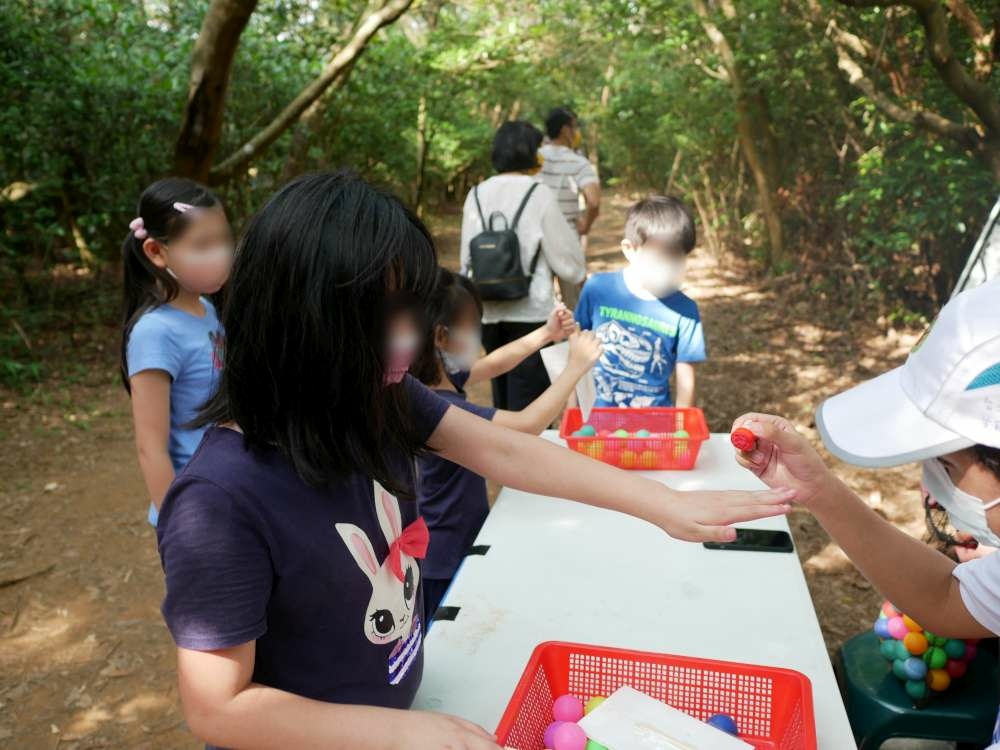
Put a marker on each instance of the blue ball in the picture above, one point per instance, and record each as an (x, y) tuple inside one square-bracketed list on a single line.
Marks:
[(882, 628), (914, 668), (901, 653), (724, 722)]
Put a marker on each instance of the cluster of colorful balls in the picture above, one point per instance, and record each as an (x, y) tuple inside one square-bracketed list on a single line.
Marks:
[(588, 430), (926, 663), (565, 734)]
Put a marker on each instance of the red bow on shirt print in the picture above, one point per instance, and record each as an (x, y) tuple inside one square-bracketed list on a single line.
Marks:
[(413, 542)]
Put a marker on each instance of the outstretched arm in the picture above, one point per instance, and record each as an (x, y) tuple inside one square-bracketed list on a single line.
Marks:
[(559, 325), (915, 577)]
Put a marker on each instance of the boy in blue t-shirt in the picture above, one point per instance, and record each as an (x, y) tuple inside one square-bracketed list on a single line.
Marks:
[(648, 327)]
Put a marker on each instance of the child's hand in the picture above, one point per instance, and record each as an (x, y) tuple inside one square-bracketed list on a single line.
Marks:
[(425, 730), (584, 351), (706, 516), (783, 457), (560, 323), (966, 551)]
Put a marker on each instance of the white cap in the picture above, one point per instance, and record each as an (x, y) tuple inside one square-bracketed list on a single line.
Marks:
[(944, 398)]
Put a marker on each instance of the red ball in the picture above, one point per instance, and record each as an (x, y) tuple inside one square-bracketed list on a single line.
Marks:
[(970, 651), (743, 439), (956, 668)]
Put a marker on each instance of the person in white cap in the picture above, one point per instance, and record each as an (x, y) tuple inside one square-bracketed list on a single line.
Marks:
[(942, 408)]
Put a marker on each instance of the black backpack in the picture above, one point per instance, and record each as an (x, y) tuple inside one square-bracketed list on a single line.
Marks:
[(495, 257)]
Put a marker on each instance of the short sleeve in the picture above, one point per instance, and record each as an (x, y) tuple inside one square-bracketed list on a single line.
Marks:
[(486, 412), (583, 312), (152, 347), (217, 567), (427, 407), (690, 338), (979, 585), (587, 174)]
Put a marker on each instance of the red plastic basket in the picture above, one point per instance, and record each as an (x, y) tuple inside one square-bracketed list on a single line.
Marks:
[(661, 452), (773, 707)]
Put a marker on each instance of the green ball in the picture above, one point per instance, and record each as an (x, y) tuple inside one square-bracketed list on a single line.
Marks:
[(935, 657), (954, 648), (642, 433), (916, 689), (681, 434), (620, 433), (586, 430), (899, 669), (888, 649), (901, 651), (939, 640), (591, 745)]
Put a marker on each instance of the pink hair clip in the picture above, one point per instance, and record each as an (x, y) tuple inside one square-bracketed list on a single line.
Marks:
[(138, 227), (183, 207)]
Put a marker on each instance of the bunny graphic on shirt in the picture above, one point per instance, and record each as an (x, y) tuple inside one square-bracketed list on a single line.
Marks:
[(392, 612)]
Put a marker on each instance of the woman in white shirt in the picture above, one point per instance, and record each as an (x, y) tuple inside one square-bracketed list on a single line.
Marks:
[(542, 230)]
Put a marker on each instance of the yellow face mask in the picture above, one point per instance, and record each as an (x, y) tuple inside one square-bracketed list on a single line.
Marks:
[(577, 139)]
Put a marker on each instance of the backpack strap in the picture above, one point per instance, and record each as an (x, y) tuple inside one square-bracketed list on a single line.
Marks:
[(475, 194), (524, 202)]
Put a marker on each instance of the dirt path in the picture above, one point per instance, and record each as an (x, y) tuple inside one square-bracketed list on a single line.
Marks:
[(84, 659)]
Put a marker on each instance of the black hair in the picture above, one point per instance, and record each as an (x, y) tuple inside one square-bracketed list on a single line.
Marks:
[(663, 217), (557, 119), (989, 457), (453, 294), (318, 275), (515, 147), (143, 284)]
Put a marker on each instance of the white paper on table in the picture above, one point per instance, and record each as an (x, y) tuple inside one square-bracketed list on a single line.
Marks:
[(555, 358), (630, 720)]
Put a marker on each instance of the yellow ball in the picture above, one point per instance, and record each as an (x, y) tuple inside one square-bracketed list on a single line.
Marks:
[(911, 625), (649, 459), (916, 643), (629, 459), (938, 680), (593, 703)]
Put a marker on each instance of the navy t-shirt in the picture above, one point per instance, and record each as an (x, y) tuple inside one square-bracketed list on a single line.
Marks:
[(451, 499), (251, 552), (643, 340)]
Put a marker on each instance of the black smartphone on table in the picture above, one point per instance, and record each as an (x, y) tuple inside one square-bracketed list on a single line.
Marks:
[(756, 540)]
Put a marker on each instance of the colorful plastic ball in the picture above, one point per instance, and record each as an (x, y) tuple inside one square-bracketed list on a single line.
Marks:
[(549, 738), (683, 434), (970, 651), (916, 643), (593, 703), (591, 745), (724, 723), (916, 689), (649, 459), (901, 652), (629, 459), (888, 649), (586, 430), (914, 668), (897, 628), (911, 624), (889, 611), (605, 433), (954, 648), (899, 669), (620, 433), (938, 680), (939, 640), (569, 736), (642, 433), (935, 657), (567, 708), (881, 628), (594, 449), (956, 669)]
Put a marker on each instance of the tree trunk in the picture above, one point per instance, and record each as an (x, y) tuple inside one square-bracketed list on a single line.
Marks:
[(211, 63), (338, 66), (422, 143)]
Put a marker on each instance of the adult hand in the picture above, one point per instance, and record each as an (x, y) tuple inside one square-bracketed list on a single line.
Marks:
[(783, 457), (971, 551)]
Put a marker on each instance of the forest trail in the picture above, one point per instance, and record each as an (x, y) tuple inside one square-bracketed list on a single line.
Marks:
[(85, 661)]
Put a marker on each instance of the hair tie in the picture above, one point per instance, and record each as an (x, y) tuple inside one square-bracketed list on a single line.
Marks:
[(183, 207), (138, 227)]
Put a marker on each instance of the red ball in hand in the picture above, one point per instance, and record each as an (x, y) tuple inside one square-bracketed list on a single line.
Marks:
[(743, 439)]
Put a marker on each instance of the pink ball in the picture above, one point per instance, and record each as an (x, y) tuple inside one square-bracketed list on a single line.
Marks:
[(567, 708), (970, 651), (569, 736), (897, 628), (549, 738)]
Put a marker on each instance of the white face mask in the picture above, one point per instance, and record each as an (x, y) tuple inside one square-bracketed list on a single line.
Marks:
[(660, 277), (470, 342), (966, 512)]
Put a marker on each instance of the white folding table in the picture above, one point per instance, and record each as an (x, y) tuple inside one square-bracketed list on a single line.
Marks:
[(558, 570)]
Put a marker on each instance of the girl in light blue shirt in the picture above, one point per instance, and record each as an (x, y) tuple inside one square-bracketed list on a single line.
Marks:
[(178, 252)]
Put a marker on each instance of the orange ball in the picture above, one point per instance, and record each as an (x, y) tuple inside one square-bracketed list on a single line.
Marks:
[(911, 625), (649, 459), (889, 611), (938, 680), (629, 459), (916, 643)]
